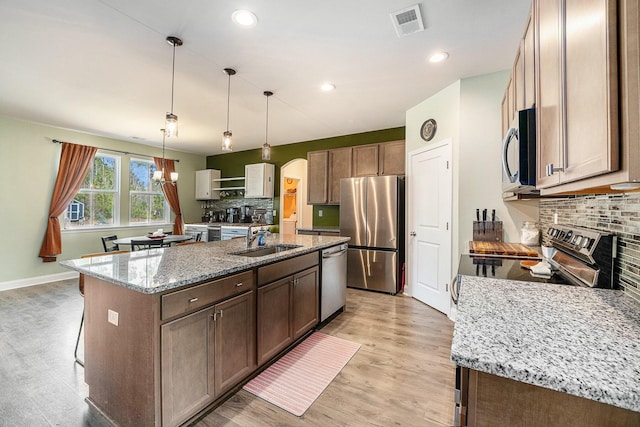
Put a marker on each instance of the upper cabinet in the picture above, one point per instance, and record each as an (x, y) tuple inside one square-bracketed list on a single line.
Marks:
[(326, 168), (258, 179), (206, 184), (317, 173), (577, 90)]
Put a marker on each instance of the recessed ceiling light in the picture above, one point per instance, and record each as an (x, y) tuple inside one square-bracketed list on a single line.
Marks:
[(244, 18), (438, 57), (327, 87)]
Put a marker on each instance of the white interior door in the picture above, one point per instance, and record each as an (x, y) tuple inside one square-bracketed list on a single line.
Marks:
[(430, 205)]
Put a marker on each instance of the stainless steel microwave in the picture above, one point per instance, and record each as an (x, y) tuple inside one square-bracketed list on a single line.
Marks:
[(519, 156)]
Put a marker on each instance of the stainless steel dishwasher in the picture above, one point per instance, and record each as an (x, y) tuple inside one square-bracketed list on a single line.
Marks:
[(333, 291)]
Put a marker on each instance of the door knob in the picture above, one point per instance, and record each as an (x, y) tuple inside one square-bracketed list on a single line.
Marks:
[(413, 233)]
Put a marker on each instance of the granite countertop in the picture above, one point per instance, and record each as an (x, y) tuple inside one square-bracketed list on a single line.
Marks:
[(157, 270), (581, 341), (229, 224)]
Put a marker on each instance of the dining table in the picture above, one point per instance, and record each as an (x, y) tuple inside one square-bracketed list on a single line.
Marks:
[(169, 238)]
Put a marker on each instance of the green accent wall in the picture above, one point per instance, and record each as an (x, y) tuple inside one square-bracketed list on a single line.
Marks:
[(232, 164)]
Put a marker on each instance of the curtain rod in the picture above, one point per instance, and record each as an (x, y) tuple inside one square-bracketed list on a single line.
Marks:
[(55, 141)]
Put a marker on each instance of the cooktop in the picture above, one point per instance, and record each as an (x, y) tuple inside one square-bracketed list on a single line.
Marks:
[(500, 268)]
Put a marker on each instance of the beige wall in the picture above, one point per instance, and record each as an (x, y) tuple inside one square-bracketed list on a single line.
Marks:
[(469, 112), (29, 166)]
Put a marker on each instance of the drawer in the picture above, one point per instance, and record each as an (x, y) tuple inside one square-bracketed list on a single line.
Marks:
[(272, 272), (186, 300)]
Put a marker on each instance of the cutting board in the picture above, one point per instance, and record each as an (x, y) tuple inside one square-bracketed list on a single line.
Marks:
[(501, 248)]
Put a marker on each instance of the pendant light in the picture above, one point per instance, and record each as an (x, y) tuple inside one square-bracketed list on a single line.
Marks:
[(171, 120), (227, 137), (266, 148), (158, 175)]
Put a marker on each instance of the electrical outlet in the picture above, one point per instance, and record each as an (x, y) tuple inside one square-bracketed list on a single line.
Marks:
[(275, 213), (112, 317), (319, 212)]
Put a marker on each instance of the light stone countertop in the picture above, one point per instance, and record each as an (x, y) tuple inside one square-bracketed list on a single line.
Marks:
[(157, 270), (581, 341)]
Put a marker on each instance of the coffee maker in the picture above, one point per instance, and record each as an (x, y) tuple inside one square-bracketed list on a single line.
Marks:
[(233, 215), (245, 213)]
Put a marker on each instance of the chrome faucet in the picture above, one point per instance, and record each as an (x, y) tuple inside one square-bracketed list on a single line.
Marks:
[(253, 236)]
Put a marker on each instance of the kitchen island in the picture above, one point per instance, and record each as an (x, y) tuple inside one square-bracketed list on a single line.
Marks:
[(547, 354), (170, 333)]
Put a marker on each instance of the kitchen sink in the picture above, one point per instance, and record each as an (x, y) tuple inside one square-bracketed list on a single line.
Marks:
[(265, 250)]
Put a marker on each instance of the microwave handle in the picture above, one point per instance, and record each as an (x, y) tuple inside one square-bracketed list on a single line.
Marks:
[(511, 133)]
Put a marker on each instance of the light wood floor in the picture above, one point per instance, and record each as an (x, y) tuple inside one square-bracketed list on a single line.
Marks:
[(401, 376)]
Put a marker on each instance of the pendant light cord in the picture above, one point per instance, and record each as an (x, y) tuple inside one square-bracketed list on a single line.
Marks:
[(173, 75), (266, 127), (228, 98)]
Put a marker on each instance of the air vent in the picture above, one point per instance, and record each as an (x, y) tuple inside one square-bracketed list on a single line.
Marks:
[(407, 21)]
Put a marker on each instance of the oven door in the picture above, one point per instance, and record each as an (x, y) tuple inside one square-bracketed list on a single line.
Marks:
[(213, 233)]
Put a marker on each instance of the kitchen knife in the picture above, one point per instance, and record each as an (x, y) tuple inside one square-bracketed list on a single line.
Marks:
[(478, 215), (493, 220), (484, 221)]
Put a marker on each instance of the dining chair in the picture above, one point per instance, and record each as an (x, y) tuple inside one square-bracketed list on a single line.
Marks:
[(189, 242), (81, 289), (139, 245), (108, 245)]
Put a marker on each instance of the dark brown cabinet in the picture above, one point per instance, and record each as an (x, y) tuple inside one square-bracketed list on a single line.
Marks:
[(339, 167), (288, 303), (304, 307), (207, 352), (317, 177), (187, 358), (326, 168)]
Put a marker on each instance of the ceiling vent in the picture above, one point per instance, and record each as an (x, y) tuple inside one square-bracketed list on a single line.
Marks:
[(407, 21)]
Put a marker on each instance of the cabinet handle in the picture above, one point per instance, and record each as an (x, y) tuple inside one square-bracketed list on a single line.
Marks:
[(221, 314), (193, 300), (213, 316), (239, 284), (551, 170)]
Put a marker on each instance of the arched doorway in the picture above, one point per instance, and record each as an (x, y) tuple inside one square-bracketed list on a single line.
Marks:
[(294, 210)]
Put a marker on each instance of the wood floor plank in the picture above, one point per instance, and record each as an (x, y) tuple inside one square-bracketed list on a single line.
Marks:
[(401, 376)]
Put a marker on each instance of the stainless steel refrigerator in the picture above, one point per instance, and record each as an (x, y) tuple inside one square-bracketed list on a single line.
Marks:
[(372, 214)]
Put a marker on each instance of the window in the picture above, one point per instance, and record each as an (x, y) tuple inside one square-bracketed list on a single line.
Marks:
[(96, 204), (147, 204)]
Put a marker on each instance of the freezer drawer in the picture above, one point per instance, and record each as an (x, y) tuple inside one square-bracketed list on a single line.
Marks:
[(372, 270)]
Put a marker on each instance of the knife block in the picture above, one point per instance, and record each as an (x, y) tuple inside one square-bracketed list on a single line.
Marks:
[(487, 231)]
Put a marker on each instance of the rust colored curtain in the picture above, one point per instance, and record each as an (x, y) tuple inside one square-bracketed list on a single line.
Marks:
[(170, 191), (75, 162)]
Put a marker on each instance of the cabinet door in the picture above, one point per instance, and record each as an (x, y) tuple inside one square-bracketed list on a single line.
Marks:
[(187, 358), (518, 81), (339, 167), (529, 65), (235, 348), (259, 180), (591, 113), (274, 318), (505, 114), (305, 301), (365, 160), (549, 90), (317, 177), (205, 183), (392, 158)]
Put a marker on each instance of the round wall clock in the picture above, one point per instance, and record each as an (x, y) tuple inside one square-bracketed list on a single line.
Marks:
[(428, 130)]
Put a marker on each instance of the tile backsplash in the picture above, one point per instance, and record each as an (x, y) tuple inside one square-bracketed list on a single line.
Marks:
[(615, 213)]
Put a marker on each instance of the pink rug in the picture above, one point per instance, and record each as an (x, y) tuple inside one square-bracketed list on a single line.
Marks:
[(296, 380)]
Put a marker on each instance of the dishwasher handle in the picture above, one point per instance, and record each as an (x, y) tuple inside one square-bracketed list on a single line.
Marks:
[(333, 254)]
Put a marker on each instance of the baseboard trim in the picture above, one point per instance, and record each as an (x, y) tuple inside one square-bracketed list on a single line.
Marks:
[(39, 280)]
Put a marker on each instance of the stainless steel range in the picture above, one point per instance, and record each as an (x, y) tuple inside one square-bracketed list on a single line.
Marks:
[(581, 257)]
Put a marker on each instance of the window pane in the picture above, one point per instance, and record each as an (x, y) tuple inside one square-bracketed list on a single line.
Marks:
[(139, 205), (139, 175), (103, 208), (157, 212)]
